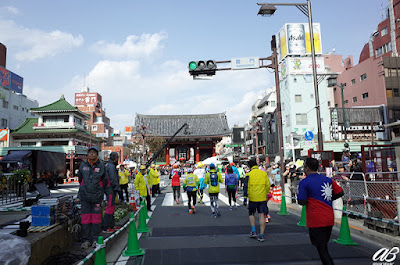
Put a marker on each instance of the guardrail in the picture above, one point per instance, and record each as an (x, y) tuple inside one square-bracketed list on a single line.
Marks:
[(11, 189)]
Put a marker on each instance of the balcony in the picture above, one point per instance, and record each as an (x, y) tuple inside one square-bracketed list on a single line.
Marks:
[(57, 125)]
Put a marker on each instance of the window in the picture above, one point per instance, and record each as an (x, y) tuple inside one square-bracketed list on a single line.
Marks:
[(301, 119), (384, 32), (363, 77), (297, 98), (27, 144), (336, 105), (5, 104), (389, 93), (98, 119), (344, 84), (4, 123), (346, 101), (354, 99), (334, 89), (329, 103), (94, 128), (383, 49), (396, 92), (365, 95), (56, 119), (273, 104), (15, 107), (353, 81)]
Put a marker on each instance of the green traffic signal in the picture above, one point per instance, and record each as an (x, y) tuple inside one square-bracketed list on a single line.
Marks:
[(192, 65)]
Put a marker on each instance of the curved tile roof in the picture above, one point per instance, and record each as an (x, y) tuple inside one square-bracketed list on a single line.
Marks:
[(199, 125)]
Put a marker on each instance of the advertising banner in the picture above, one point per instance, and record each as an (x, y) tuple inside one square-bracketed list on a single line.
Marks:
[(87, 99), (303, 65), (294, 39), (3, 134), (16, 83), (5, 77)]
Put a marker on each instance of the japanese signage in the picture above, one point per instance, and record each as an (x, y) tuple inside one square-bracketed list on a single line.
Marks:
[(294, 39), (87, 99)]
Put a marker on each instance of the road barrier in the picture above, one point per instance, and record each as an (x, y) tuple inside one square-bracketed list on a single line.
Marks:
[(12, 189)]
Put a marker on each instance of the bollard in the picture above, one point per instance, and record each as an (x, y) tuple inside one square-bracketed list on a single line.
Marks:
[(133, 248), (344, 234), (142, 226), (100, 258), (283, 210), (303, 218)]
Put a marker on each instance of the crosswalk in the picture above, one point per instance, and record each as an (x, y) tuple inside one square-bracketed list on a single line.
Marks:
[(69, 190), (169, 199)]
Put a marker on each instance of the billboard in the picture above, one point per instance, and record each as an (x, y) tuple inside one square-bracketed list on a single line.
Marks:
[(300, 66), (294, 39), (4, 134), (87, 99), (10, 80)]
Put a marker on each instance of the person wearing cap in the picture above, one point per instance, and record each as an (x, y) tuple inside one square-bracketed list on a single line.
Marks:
[(111, 192), (142, 184), (92, 180), (154, 178), (190, 185), (257, 187), (213, 178), (123, 174)]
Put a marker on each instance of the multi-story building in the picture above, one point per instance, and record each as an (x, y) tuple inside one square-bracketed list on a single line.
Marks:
[(98, 123), (14, 105)]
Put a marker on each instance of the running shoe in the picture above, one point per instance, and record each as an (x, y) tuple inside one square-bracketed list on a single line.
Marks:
[(213, 215), (268, 216), (94, 244), (109, 231), (266, 220), (230, 208), (190, 211), (116, 228), (261, 238), (218, 214), (253, 235), (193, 209), (177, 201)]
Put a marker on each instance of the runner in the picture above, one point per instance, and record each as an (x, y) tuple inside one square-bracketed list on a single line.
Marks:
[(231, 184), (176, 185), (189, 184), (200, 172), (213, 178)]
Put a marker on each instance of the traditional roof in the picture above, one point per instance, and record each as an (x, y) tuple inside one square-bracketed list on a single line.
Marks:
[(199, 125), (60, 105), (27, 128)]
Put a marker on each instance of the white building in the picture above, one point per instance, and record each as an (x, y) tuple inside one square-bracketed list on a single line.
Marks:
[(14, 108)]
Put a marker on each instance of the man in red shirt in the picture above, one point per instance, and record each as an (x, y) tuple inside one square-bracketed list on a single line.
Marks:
[(317, 192)]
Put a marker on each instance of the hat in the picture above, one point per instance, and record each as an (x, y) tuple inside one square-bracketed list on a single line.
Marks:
[(153, 166), (93, 148), (232, 164), (212, 165), (142, 167), (199, 164), (190, 170)]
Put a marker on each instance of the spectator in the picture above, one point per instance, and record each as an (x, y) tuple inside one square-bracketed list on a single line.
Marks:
[(111, 192), (123, 182), (92, 178), (142, 184), (317, 192)]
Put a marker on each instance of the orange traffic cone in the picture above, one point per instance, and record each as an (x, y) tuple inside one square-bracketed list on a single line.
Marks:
[(132, 200), (279, 193)]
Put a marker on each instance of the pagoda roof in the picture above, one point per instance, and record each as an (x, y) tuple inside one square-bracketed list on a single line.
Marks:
[(60, 105), (199, 125)]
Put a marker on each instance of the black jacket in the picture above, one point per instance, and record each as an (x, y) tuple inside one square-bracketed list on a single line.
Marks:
[(92, 181), (113, 178)]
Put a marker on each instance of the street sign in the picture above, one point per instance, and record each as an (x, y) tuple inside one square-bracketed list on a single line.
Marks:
[(245, 63), (308, 143), (309, 135), (232, 145)]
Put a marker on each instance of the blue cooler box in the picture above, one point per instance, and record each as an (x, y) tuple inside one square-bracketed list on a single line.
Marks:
[(43, 210), (43, 220)]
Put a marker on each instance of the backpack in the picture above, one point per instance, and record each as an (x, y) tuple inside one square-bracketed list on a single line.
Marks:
[(231, 180), (213, 179)]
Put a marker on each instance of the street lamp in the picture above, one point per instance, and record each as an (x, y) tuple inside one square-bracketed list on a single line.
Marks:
[(268, 9), (332, 81)]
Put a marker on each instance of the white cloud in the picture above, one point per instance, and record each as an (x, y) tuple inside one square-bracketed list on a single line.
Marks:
[(13, 10), (134, 47), (35, 44)]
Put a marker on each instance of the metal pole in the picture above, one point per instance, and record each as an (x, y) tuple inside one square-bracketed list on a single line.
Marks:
[(344, 116), (314, 66), (278, 109), (294, 157)]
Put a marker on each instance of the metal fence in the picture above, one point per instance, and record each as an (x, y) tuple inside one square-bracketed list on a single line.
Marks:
[(11, 189)]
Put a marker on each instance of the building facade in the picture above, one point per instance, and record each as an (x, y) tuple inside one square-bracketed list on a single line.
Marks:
[(194, 143), (98, 123)]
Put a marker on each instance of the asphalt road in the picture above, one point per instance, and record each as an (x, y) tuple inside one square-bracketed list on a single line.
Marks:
[(177, 237)]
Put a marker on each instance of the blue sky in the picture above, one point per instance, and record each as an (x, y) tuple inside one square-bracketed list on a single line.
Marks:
[(135, 53)]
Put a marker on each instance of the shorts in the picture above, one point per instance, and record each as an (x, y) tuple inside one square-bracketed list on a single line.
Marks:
[(260, 207)]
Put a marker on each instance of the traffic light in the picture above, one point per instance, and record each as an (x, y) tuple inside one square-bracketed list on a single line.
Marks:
[(202, 67)]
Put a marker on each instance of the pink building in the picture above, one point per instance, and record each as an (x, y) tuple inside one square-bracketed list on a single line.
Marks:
[(375, 80)]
